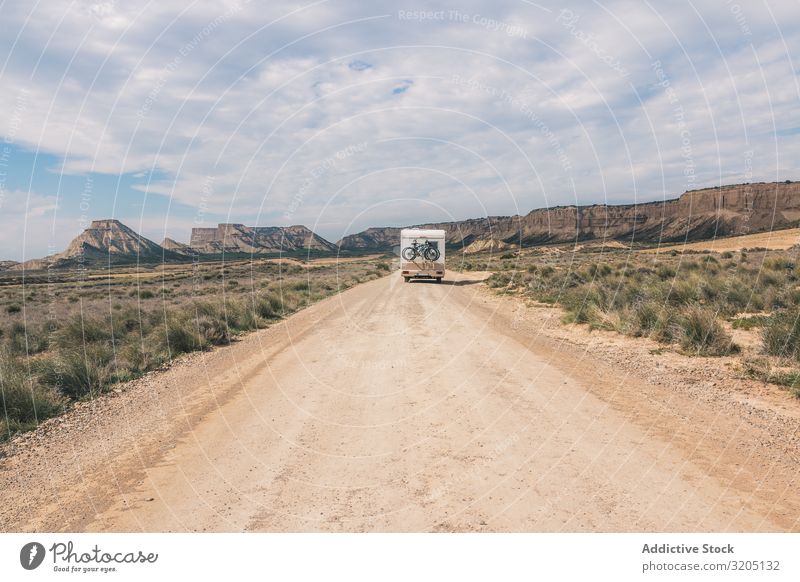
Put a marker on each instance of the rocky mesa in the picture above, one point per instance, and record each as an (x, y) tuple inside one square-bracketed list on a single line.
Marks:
[(695, 215), (238, 238), (105, 240), (110, 241)]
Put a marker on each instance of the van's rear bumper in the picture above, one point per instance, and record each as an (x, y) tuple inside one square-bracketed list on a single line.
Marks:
[(421, 269), (422, 274)]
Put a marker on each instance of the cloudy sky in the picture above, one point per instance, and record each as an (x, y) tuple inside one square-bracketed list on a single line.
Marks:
[(344, 114)]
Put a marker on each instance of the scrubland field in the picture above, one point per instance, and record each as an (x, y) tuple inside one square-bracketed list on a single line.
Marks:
[(556, 389), (71, 335), (744, 303)]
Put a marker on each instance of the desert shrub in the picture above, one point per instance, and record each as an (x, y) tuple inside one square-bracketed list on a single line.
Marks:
[(13, 308), (269, 307), (665, 328), (598, 270), (727, 255), (129, 321), (778, 263), (78, 330), (141, 294), (702, 333), (28, 340), (498, 280), (238, 316), (79, 371), (710, 289), (682, 292), (585, 305), (770, 278), (738, 298), (24, 400), (208, 308), (781, 335), (212, 331), (178, 336), (300, 286), (383, 266), (665, 272), (573, 279), (646, 316), (775, 298), (136, 356)]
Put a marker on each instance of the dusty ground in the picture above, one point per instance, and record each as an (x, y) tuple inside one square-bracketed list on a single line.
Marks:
[(418, 407), (777, 239)]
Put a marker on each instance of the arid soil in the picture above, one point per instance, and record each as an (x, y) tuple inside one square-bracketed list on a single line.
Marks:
[(418, 407), (774, 239)]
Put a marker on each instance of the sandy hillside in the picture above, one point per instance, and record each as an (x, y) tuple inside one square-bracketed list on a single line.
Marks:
[(777, 239)]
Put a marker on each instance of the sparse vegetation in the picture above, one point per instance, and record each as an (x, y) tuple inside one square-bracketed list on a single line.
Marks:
[(765, 370), (25, 400), (86, 332), (782, 336), (688, 301), (702, 333)]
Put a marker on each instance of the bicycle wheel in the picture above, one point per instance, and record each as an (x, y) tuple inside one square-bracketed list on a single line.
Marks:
[(409, 253), (431, 253)]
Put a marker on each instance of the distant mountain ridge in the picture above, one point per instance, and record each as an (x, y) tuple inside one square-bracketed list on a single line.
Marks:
[(173, 245), (695, 215), (106, 240), (110, 241), (232, 237)]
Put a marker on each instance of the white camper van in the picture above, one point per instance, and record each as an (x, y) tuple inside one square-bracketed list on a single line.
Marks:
[(422, 254)]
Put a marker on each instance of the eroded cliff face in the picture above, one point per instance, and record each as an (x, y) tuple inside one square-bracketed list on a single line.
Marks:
[(105, 241), (379, 238), (696, 215), (175, 246), (112, 237), (239, 238)]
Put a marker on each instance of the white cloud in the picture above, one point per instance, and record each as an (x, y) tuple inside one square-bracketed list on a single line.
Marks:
[(258, 98), (28, 222)]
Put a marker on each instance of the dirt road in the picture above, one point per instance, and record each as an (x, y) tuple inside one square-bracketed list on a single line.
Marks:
[(401, 407)]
